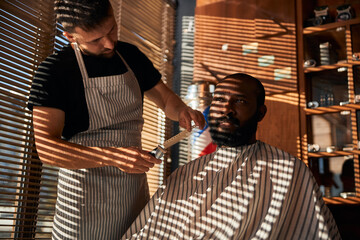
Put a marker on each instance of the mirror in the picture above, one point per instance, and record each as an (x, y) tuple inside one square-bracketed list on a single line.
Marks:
[(331, 131), (335, 175)]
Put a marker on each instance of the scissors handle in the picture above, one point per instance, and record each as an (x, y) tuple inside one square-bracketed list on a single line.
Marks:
[(158, 152)]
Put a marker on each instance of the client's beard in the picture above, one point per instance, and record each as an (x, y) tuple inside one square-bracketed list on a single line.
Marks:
[(239, 136)]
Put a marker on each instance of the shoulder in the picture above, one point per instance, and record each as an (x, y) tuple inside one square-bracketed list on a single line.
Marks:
[(127, 48), (60, 59), (147, 75), (132, 54), (272, 152), (192, 167), (281, 160), (64, 53), (58, 68), (278, 157)]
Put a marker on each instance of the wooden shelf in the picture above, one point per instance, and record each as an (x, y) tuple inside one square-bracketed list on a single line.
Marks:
[(329, 67), (331, 109), (340, 200), (328, 26), (324, 129), (333, 154)]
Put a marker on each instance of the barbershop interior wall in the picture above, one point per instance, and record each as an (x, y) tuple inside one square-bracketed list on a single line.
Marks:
[(217, 38), (183, 68), (256, 37), (263, 38)]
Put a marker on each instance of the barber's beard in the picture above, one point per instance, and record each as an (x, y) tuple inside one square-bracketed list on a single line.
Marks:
[(241, 135), (106, 53), (103, 54)]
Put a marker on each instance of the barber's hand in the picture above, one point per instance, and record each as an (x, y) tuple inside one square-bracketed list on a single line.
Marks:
[(129, 159), (187, 114)]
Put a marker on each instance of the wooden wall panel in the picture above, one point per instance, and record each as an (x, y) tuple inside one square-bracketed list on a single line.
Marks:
[(280, 127), (256, 37)]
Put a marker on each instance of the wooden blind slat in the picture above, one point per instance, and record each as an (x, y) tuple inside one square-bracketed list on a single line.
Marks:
[(29, 41), (42, 23), (15, 110), (10, 174), (41, 184), (7, 95), (11, 116), (11, 88), (13, 154), (27, 30), (11, 123), (28, 35), (15, 138), (49, 170), (36, 6), (21, 46), (26, 134), (150, 39), (12, 23), (6, 150), (14, 63), (9, 53)]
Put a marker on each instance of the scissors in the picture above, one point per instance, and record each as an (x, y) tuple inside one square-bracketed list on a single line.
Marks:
[(160, 150)]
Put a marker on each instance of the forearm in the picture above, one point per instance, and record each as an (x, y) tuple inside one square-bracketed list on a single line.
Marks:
[(68, 155), (60, 153), (48, 125), (173, 107)]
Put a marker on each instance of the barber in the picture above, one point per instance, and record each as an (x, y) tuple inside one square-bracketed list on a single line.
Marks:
[(87, 103)]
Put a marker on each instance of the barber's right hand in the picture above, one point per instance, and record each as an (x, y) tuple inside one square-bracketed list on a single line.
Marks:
[(129, 159)]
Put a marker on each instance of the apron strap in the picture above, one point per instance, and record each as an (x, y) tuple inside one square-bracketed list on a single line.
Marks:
[(80, 61)]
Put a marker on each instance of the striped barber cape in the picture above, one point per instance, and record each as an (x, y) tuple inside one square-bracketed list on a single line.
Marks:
[(249, 192)]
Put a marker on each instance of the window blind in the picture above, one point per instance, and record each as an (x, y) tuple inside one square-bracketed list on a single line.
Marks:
[(28, 35), (26, 38), (149, 25)]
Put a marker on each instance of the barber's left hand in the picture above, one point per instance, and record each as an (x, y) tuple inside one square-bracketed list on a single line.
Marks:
[(187, 114)]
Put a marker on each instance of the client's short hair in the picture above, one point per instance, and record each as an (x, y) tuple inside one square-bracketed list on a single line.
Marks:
[(260, 88)]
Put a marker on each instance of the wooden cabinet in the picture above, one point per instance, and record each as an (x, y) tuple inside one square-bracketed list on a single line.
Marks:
[(329, 88)]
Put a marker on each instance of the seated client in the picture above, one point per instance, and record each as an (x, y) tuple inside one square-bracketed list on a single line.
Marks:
[(246, 189)]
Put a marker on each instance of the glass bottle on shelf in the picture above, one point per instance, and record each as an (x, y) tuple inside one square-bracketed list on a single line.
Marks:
[(326, 98)]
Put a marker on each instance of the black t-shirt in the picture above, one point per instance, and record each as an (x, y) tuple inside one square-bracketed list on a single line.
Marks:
[(58, 82)]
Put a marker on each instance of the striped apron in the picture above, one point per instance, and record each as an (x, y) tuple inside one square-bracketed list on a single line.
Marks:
[(101, 203)]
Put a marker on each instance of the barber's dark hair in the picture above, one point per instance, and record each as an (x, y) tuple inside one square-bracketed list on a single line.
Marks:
[(85, 14), (260, 88)]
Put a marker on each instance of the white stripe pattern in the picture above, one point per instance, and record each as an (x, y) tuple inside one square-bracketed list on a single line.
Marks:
[(249, 192)]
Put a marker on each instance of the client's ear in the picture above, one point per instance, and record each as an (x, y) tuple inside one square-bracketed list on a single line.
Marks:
[(261, 112)]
